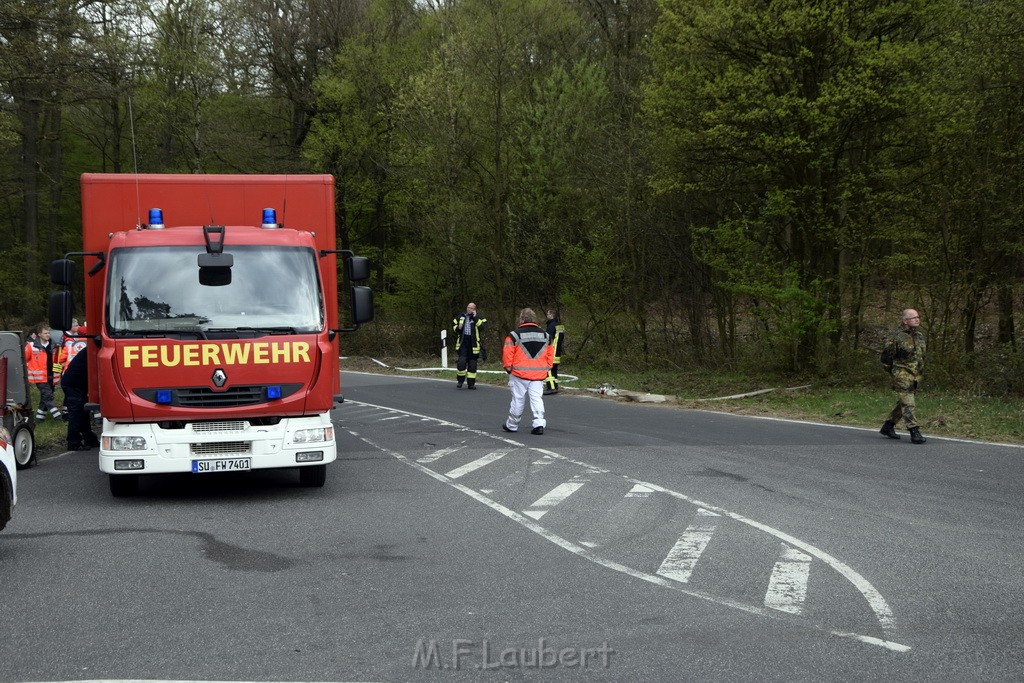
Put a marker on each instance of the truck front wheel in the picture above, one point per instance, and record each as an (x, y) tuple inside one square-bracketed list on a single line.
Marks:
[(124, 485), (313, 476)]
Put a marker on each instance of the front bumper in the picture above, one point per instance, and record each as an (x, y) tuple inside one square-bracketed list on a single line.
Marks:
[(173, 450)]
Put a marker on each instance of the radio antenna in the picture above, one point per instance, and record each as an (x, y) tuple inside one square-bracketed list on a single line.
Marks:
[(135, 163), (284, 203)]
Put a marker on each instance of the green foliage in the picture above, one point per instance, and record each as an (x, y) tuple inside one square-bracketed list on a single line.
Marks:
[(733, 184), (777, 125)]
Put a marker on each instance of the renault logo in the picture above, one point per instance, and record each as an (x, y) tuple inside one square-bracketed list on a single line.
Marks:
[(219, 378)]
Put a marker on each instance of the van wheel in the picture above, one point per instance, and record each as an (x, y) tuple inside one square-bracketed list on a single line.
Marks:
[(24, 444), (124, 485), (313, 476)]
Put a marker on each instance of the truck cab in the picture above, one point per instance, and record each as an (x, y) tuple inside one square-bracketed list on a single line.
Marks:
[(214, 346)]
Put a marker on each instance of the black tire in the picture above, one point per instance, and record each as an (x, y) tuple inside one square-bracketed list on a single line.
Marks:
[(313, 476), (23, 441), (6, 497), (124, 485)]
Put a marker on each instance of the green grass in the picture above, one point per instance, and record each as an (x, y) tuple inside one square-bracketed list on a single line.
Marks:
[(51, 435), (962, 415)]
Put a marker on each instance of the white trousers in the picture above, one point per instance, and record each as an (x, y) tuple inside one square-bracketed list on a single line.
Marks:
[(520, 389)]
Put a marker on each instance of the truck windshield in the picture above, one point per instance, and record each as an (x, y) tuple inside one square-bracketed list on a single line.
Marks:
[(156, 290)]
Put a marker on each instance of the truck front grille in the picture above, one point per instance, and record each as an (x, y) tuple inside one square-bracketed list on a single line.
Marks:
[(225, 426), (221, 448), (205, 397), (201, 397)]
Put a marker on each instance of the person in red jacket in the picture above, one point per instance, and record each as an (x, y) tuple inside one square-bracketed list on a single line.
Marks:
[(527, 357), (42, 361)]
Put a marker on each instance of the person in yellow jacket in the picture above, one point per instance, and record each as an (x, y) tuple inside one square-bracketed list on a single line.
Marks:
[(42, 362), (527, 356), (556, 333)]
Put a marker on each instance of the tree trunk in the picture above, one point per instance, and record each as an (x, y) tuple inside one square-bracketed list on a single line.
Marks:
[(1006, 324), (29, 114), (970, 321), (53, 135)]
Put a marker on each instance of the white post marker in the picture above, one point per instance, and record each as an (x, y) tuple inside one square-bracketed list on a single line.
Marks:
[(444, 349)]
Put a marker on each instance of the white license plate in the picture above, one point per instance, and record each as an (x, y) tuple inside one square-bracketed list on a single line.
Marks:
[(227, 465)]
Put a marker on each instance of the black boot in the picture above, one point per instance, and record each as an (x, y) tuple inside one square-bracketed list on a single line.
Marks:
[(889, 430), (915, 435)]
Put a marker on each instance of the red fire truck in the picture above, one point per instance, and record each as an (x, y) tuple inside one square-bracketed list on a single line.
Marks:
[(213, 327)]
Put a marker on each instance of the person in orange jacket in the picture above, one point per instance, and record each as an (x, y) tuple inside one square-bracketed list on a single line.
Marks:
[(527, 357), (42, 361), (72, 344)]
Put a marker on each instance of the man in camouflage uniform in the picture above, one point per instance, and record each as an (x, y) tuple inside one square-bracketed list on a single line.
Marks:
[(903, 356)]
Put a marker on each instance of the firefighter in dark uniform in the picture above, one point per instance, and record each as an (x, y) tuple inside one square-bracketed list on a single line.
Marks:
[(75, 383), (556, 335), (467, 328)]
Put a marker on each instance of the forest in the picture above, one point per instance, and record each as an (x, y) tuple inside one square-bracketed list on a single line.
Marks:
[(695, 184)]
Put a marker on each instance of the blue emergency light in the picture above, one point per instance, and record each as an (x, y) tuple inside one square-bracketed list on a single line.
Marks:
[(156, 218), (269, 218), (274, 391), (163, 395)]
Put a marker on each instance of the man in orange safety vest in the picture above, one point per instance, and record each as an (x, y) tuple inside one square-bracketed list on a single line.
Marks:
[(527, 357), (42, 362)]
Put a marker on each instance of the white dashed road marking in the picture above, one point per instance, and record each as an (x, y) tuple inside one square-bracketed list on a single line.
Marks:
[(555, 496), (618, 518), (787, 589), (683, 557), (437, 455), (476, 464)]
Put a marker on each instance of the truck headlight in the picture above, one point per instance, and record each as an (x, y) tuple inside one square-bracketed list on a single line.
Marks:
[(124, 443), (313, 435)]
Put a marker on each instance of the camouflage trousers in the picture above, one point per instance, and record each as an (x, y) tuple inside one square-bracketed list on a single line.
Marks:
[(905, 386)]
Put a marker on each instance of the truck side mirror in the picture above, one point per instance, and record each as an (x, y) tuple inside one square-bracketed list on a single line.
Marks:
[(362, 305), (61, 309), (62, 272), (357, 268)]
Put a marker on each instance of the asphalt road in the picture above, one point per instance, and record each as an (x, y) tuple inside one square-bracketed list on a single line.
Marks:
[(627, 543)]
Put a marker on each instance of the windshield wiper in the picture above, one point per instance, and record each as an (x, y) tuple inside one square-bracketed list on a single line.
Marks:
[(171, 333), (254, 330)]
